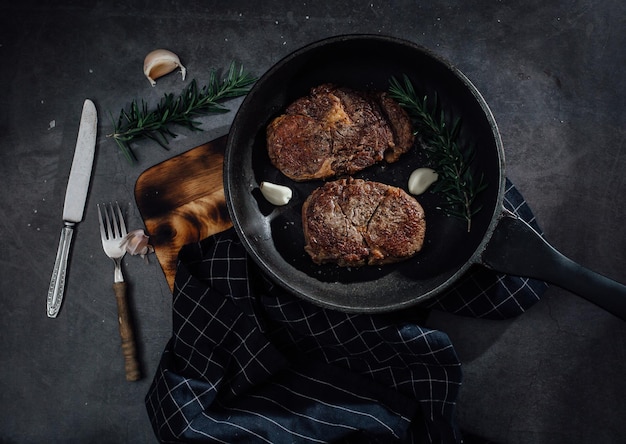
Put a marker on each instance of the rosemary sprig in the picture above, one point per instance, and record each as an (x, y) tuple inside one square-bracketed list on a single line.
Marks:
[(453, 164), (138, 122)]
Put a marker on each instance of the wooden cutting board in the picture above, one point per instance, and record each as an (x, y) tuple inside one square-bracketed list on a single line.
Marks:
[(181, 200)]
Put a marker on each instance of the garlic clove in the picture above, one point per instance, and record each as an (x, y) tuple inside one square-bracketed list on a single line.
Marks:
[(136, 243), (160, 62), (276, 194), (421, 179)]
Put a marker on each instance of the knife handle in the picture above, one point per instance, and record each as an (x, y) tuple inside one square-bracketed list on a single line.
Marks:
[(57, 282), (129, 349)]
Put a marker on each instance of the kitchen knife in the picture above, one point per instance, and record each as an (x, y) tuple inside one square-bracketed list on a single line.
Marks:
[(74, 206)]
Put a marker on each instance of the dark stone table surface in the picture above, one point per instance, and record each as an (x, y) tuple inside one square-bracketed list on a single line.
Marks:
[(552, 73)]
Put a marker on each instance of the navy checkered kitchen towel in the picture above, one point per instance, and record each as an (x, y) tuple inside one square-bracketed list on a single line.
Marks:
[(248, 363)]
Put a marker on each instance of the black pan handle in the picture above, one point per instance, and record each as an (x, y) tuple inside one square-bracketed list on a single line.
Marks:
[(516, 248)]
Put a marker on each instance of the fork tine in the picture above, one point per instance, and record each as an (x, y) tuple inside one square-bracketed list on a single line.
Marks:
[(121, 220), (107, 221), (103, 234), (114, 233), (110, 223)]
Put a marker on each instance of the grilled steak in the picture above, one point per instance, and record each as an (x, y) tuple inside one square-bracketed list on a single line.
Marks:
[(353, 222), (335, 131)]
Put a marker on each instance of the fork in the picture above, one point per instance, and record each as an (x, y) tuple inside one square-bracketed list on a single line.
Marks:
[(112, 232)]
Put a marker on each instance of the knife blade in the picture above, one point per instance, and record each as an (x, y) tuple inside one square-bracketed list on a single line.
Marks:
[(74, 205)]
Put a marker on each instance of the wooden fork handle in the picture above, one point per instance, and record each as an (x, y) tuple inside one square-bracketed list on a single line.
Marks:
[(129, 349)]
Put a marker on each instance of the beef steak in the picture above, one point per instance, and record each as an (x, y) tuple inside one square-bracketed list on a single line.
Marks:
[(335, 131), (354, 222)]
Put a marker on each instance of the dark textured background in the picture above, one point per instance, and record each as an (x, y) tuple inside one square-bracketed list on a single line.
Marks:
[(552, 72)]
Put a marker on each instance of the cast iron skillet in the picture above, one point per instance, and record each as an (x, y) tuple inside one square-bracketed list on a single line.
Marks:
[(273, 235)]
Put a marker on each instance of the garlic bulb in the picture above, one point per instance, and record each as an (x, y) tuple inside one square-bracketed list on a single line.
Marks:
[(136, 243), (421, 179), (276, 194), (160, 62)]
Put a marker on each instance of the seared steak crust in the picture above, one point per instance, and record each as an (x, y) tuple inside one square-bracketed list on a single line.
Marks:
[(353, 222), (335, 131)]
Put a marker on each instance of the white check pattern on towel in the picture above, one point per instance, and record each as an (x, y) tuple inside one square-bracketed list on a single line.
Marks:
[(248, 362)]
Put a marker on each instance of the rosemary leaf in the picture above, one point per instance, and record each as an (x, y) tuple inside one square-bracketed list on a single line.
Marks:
[(453, 164), (137, 122)]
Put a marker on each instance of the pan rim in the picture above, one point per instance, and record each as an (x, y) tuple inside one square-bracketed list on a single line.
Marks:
[(288, 283)]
